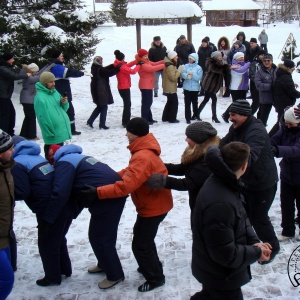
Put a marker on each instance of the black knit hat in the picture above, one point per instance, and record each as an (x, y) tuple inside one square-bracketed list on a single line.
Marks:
[(156, 38), (289, 63), (7, 56), (199, 132), (119, 55), (5, 141), (138, 126), (253, 40), (56, 53), (241, 107), (268, 56), (261, 51)]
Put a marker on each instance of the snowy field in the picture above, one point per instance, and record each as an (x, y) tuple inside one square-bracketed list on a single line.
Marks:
[(109, 146)]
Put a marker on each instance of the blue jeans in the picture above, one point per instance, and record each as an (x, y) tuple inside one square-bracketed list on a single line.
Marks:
[(147, 99), (7, 277)]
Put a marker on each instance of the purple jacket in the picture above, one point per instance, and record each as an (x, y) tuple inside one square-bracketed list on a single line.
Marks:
[(240, 76)]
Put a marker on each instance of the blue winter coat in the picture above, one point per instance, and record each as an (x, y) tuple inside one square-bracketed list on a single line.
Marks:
[(192, 84), (287, 140), (33, 176)]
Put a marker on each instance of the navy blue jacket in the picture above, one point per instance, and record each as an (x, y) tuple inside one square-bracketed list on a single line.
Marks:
[(72, 171), (33, 176)]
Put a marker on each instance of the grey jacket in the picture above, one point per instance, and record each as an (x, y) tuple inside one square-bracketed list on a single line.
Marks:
[(263, 38)]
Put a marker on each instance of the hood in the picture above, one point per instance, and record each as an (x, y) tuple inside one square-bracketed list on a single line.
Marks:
[(42, 88), (282, 69), (26, 148), (153, 46), (195, 57), (65, 150), (117, 62), (240, 63), (147, 142), (242, 33), (227, 44)]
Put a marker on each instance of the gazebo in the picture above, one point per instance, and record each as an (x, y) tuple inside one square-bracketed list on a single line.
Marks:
[(163, 10)]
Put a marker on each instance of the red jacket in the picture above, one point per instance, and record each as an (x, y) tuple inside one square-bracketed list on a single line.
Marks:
[(144, 162), (124, 81)]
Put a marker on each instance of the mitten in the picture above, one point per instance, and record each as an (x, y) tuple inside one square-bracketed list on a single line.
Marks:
[(86, 73), (180, 68), (89, 194), (190, 73), (273, 152), (189, 76), (156, 181)]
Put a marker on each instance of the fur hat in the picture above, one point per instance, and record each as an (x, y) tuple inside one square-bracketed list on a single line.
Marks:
[(33, 67), (7, 56), (171, 54), (142, 52), (119, 55), (216, 54), (289, 115), (182, 37), (238, 55), (253, 40), (51, 152), (46, 77), (156, 38), (241, 107), (138, 126), (289, 63), (56, 53), (199, 132), (5, 141)]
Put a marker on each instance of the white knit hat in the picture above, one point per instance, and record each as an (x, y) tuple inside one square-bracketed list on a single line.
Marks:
[(33, 67), (171, 54), (238, 55), (289, 115)]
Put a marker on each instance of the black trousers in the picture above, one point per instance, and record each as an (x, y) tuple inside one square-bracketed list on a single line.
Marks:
[(255, 97), (207, 96), (209, 293), (275, 128), (264, 47), (28, 129), (190, 97), (7, 116), (288, 195), (236, 95), (125, 95), (99, 110), (171, 108), (264, 112), (147, 100), (144, 248), (258, 204)]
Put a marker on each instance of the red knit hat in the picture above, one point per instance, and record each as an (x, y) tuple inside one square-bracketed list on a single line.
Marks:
[(51, 153), (142, 52)]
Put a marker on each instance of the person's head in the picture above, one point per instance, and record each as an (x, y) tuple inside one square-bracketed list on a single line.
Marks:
[(98, 60), (199, 132), (57, 54), (237, 44), (182, 39), (289, 64), (34, 68), (223, 43), (290, 118), (6, 146), (157, 40), (208, 39), (241, 36), (52, 150), (239, 56), (8, 57), (204, 43), (235, 156), (239, 112), (216, 55), (263, 31), (142, 53), (261, 53), (253, 43), (136, 127), (119, 55), (268, 61), (193, 58), (172, 55), (48, 80), (16, 139)]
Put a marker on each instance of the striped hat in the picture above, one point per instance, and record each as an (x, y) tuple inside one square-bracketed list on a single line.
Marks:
[(241, 107), (5, 141)]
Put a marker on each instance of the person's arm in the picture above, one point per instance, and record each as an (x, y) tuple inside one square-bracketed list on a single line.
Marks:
[(289, 87), (127, 70), (73, 73), (172, 73), (152, 68), (242, 69), (11, 75), (109, 71), (289, 151), (21, 182), (184, 72)]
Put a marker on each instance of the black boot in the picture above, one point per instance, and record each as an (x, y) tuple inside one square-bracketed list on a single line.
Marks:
[(200, 108), (73, 130)]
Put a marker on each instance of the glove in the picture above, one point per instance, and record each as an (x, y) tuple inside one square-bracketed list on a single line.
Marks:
[(140, 63), (189, 76), (273, 152), (180, 68), (156, 181), (89, 194), (297, 111)]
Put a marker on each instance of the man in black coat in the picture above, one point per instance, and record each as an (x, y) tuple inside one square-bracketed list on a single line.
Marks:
[(253, 50), (224, 243), (261, 175)]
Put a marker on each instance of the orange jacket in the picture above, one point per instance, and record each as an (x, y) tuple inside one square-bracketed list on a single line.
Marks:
[(144, 162)]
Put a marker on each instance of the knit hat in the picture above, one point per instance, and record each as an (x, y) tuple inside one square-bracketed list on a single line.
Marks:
[(171, 54), (253, 40), (199, 132), (56, 53), (216, 54), (289, 115), (119, 55), (5, 141), (33, 67), (138, 126), (51, 152), (156, 38), (238, 55), (237, 42), (241, 107), (204, 41), (182, 37), (261, 51), (46, 77), (268, 56), (16, 139), (7, 56), (207, 38), (142, 52), (289, 63)]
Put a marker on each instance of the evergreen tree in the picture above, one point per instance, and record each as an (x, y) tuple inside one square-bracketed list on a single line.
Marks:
[(197, 20), (290, 49), (118, 12)]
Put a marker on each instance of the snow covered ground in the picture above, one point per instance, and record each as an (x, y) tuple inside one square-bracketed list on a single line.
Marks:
[(174, 236)]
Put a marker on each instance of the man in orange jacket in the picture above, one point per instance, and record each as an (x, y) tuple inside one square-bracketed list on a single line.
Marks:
[(152, 205)]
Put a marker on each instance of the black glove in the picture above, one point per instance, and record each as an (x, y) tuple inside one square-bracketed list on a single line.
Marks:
[(156, 181), (273, 152), (140, 63), (89, 194)]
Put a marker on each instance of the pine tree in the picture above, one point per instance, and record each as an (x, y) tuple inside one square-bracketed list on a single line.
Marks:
[(118, 12), (29, 30), (289, 50), (197, 20)]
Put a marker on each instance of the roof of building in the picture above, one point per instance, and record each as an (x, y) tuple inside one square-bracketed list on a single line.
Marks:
[(230, 5)]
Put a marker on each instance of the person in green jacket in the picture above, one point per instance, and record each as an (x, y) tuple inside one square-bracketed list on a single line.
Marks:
[(50, 109)]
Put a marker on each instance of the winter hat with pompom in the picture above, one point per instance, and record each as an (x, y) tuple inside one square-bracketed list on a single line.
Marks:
[(119, 55)]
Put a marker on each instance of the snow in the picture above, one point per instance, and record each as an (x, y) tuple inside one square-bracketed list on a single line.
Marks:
[(174, 237), (230, 5)]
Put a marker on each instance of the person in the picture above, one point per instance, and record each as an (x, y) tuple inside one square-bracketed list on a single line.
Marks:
[(260, 185), (239, 80), (28, 129), (242, 38), (211, 44), (152, 205), (7, 204), (199, 137), (192, 75), (263, 39), (171, 73), (236, 47), (286, 144), (212, 82), (124, 83), (62, 83), (253, 50), (7, 78), (75, 170), (224, 243), (264, 82), (50, 109), (284, 90), (157, 52), (146, 82), (100, 90)]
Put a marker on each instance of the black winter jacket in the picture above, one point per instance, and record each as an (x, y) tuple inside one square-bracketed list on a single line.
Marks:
[(203, 54), (157, 53), (222, 234), (252, 53), (183, 51)]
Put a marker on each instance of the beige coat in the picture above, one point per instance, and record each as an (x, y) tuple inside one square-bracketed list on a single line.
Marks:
[(170, 77)]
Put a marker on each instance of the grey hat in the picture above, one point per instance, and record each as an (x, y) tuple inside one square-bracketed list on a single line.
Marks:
[(5, 141), (216, 54), (46, 77), (241, 107), (199, 132)]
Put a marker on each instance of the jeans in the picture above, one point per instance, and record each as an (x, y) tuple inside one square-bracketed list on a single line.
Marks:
[(7, 116), (99, 110), (157, 74), (190, 97), (125, 95), (7, 276), (147, 100), (171, 108), (28, 130)]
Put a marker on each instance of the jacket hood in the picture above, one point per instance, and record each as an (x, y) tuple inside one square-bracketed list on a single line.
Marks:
[(27, 148), (153, 46), (242, 33), (40, 87), (65, 150), (282, 69), (227, 44), (147, 142), (195, 57), (117, 62)]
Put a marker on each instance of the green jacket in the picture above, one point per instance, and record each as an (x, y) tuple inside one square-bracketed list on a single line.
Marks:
[(51, 115)]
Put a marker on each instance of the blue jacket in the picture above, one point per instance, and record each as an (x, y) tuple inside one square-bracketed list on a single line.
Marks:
[(72, 171), (33, 176), (192, 84)]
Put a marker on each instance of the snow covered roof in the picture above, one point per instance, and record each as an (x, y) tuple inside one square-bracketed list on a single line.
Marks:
[(163, 9), (102, 7), (230, 5)]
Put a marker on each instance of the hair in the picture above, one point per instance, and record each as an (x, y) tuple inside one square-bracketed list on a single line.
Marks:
[(225, 39), (235, 154)]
